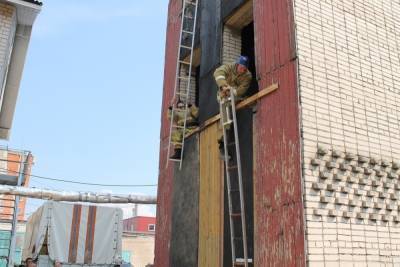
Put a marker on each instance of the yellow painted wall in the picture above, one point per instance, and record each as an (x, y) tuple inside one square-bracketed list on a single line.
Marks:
[(211, 200)]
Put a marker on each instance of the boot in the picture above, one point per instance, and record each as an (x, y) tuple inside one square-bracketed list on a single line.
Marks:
[(177, 154)]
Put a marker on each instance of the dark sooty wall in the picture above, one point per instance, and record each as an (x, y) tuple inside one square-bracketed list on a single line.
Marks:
[(185, 207)]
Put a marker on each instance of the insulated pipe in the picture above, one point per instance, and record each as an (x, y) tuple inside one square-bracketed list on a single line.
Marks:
[(75, 196)]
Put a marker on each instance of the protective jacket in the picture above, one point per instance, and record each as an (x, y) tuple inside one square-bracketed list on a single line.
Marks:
[(179, 116), (226, 75), (179, 119)]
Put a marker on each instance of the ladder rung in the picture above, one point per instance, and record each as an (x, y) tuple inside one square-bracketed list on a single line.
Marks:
[(177, 143), (191, 3), (186, 47), (180, 109), (176, 160), (183, 78), (188, 32), (232, 167), (177, 126), (184, 94), (184, 62), (241, 261), (227, 123), (236, 215)]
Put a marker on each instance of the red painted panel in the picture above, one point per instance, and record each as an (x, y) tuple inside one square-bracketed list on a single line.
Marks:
[(164, 194), (278, 217)]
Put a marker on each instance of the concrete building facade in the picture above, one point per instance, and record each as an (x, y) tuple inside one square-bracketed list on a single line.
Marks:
[(321, 154)]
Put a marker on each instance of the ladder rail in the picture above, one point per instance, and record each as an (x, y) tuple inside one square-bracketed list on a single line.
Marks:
[(228, 183), (239, 168), (188, 83)]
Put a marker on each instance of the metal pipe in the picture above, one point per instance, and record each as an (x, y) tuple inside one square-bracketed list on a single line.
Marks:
[(47, 194)]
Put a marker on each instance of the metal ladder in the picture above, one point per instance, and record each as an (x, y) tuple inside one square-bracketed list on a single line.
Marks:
[(237, 219), (186, 47)]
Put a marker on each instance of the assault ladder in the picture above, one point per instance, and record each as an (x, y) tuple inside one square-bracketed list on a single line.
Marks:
[(234, 181), (186, 47)]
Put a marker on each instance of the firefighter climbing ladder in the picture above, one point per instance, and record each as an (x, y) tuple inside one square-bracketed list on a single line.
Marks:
[(237, 219), (186, 46)]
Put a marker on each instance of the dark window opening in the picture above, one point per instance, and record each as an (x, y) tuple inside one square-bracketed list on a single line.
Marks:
[(248, 50)]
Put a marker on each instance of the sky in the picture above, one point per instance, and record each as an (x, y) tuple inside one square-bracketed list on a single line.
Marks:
[(90, 98)]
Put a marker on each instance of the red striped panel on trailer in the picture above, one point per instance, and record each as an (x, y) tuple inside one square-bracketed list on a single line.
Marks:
[(74, 234)]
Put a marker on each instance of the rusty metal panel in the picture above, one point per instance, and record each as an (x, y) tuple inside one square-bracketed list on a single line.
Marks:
[(211, 197), (278, 215), (165, 178)]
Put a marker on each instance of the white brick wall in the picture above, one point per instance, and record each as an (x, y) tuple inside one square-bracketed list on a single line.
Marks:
[(183, 84), (349, 75), (8, 24), (232, 44)]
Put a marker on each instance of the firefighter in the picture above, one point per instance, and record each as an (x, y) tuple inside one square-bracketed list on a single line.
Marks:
[(179, 120), (235, 77)]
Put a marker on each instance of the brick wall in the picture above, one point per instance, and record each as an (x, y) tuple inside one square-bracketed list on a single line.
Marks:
[(349, 82), (232, 44), (8, 23), (184, 72), (10, 164)]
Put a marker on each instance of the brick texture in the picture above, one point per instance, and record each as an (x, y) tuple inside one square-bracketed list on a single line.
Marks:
[(232, 44), (183, 84), (349, 82), (8, 23)]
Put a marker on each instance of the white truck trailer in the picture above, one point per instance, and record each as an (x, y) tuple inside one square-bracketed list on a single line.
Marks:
[(74, 235)]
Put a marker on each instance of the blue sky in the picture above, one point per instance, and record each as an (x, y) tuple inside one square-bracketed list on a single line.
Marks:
[(90, 98)]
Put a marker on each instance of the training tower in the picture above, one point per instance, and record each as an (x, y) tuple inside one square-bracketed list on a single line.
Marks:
[(320, 140)]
